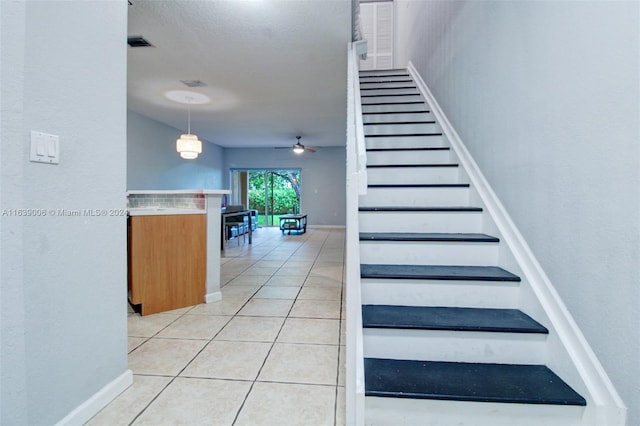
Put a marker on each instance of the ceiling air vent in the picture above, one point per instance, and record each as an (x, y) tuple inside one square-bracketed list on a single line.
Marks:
[(138, 41), (193, 83)]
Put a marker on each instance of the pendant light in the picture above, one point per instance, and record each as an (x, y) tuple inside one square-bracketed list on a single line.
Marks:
[(188, 145)]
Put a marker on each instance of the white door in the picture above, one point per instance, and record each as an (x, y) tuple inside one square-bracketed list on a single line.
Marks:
[(376, 24)]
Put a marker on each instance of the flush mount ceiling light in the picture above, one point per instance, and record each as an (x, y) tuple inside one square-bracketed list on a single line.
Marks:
[(188, 145), (187, 97)]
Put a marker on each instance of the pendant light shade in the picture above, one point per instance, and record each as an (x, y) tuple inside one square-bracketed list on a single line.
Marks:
[(189, 146)]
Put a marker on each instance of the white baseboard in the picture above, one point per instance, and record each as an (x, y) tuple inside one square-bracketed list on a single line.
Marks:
[(82, 413), (213, 297), (326, 226)]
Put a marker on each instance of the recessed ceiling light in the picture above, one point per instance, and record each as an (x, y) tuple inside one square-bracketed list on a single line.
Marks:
[(187, 97)]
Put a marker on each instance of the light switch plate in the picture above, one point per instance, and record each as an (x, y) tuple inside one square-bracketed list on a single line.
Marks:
[(45, 148)]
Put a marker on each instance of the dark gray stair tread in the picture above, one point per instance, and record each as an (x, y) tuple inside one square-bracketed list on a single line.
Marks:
[(393, 123), (385, 95), (392, 103), (428, 236), (438, 272), (386, 84), (386, 166), (419, 209), (390, 78), (402, 135), (388, 70), (387, 88), (419, 185), (447, 318), (369, 76), (424, 111), (381, 79), (457, 381), (434, 148), (406, 80)]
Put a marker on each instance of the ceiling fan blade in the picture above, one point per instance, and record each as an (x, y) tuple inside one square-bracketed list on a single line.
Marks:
[(307, 149)]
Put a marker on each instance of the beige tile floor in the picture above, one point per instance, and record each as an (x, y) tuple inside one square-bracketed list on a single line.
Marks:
[(270, 353)]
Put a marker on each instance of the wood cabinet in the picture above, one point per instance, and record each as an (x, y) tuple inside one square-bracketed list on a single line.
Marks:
[(167, 261)]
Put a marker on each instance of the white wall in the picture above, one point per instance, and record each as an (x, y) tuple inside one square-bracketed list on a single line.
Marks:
[(153, 163), (323, 177), (546, 97), (63, 288)]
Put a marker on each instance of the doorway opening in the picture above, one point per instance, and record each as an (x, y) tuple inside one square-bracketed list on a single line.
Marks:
[(377, 24), (272, 192)]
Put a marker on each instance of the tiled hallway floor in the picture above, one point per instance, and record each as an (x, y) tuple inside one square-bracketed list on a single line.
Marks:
[(270, 353)]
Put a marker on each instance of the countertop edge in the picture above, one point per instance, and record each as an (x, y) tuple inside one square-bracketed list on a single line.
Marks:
[(180, 191), (163, 212)]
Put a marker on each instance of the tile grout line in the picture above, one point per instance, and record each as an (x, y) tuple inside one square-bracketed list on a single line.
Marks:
[(280, 331), (244, 401), (311, 244), (188, 363), (179, 372)]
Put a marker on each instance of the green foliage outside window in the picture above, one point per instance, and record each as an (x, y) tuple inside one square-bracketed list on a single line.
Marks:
[(283, 191), (284, 201)]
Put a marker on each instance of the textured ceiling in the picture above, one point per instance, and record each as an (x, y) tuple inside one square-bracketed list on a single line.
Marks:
[(274, 69)]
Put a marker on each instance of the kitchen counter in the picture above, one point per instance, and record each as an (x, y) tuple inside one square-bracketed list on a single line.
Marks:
[(190, 218), (167, 261)]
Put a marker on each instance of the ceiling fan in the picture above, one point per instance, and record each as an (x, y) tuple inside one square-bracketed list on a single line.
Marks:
[(299, 148)]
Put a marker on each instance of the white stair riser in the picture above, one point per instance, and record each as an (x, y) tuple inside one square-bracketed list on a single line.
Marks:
[(422, 221), (457, 196), (391, 99), (454, 346), (439, 156), (397, 107), (409, 175), (405, 142), (431, 412), (389, 73), (364, 94), (393, 118), (428, 253), (401, 129), (454, 293), (405, 82)]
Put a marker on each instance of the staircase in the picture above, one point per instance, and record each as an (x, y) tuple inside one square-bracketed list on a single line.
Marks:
[(444, 338)]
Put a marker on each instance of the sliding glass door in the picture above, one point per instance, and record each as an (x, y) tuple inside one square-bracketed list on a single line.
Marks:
[(272, 192)]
